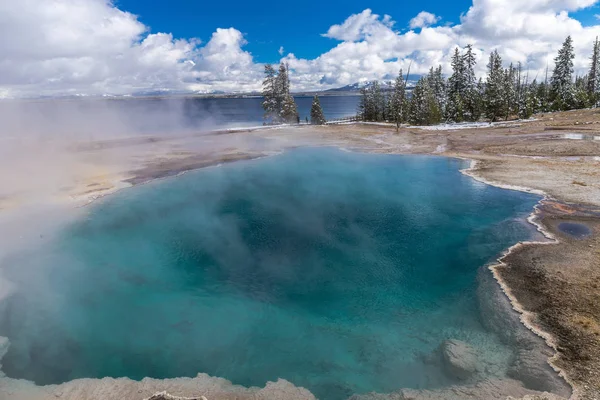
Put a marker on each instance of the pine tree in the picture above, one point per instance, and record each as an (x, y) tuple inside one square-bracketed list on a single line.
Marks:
[(278, 103), (316, 113), (437, 85), (581, 97), (593, 84), (479, 108), (418, 104), (561, 93), (509, 92), (282, 83), (378, 102), (397, 100), (424, 109), (469, 84), (372, 105), (289, 110), (494, 100), (455, 89), (269, 92)]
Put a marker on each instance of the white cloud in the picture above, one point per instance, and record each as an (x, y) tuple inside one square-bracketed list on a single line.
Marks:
[(92, 47), (358, 26), (371, 49), (281, 50), (423, 19)]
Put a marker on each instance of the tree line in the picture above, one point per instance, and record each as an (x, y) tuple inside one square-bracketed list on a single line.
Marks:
[(278, 103), (505, 93)]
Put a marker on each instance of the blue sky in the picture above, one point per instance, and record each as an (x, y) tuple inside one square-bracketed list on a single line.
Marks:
[(119, 47), (297, 26)]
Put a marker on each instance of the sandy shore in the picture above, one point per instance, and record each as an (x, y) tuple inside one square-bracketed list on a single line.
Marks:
[(555, 286)]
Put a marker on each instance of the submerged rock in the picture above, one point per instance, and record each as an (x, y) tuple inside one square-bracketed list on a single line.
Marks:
[(498, 389), (460, 359), (531, 368)]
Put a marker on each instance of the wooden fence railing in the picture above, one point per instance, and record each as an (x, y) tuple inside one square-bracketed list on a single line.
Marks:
[(343, 120)]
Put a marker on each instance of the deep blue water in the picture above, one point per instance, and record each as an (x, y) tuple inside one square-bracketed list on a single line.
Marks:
[(337, 271)]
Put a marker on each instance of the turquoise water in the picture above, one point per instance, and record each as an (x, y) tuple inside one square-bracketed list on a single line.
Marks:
[(340, 272)]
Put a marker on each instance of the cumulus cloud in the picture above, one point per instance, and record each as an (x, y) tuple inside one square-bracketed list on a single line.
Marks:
[(222, 64), (281, 50), (93, 47), (371, 49), (423, 19), (358, 26)]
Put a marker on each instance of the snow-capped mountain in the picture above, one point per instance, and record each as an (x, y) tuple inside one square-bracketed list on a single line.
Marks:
[(385, 85)]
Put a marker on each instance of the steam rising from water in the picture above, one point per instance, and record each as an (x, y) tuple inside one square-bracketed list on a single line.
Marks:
[(340, 272)]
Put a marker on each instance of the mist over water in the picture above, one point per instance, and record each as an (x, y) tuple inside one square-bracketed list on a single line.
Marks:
[(340, 272)]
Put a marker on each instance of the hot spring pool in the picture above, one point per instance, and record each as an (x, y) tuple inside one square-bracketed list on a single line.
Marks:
[(340, 272)]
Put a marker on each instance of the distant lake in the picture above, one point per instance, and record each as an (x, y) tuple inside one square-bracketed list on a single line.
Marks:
[(102, 117)]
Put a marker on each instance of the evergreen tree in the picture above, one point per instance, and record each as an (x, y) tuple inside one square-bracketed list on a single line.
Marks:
[(543, 99), (289, 110), (479, 108), (494, 101), (561, 93), (278, 103), (372, 105), (455, 89), (469, 84), (378, 102), (437, 84), (316, 113), (581, 97), (396, 107), (282, 83), (424, 109), (418, 104), (528, 101), (509, 92), (593, 84), (269, 92)]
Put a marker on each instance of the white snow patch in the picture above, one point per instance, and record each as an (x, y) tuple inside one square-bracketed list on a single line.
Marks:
[(469, 125)]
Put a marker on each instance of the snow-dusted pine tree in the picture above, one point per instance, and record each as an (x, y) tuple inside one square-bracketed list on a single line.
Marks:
[(533, 99), (509, 92), (455, 89), (316, 113), (479, 108), (494, 89), (424, 109), (562, 93), (581, 97), (593, 84), (469, 83), (289, 110), (418, 104), (437, 84), (270, 97), (282, 82), (397, 99)]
